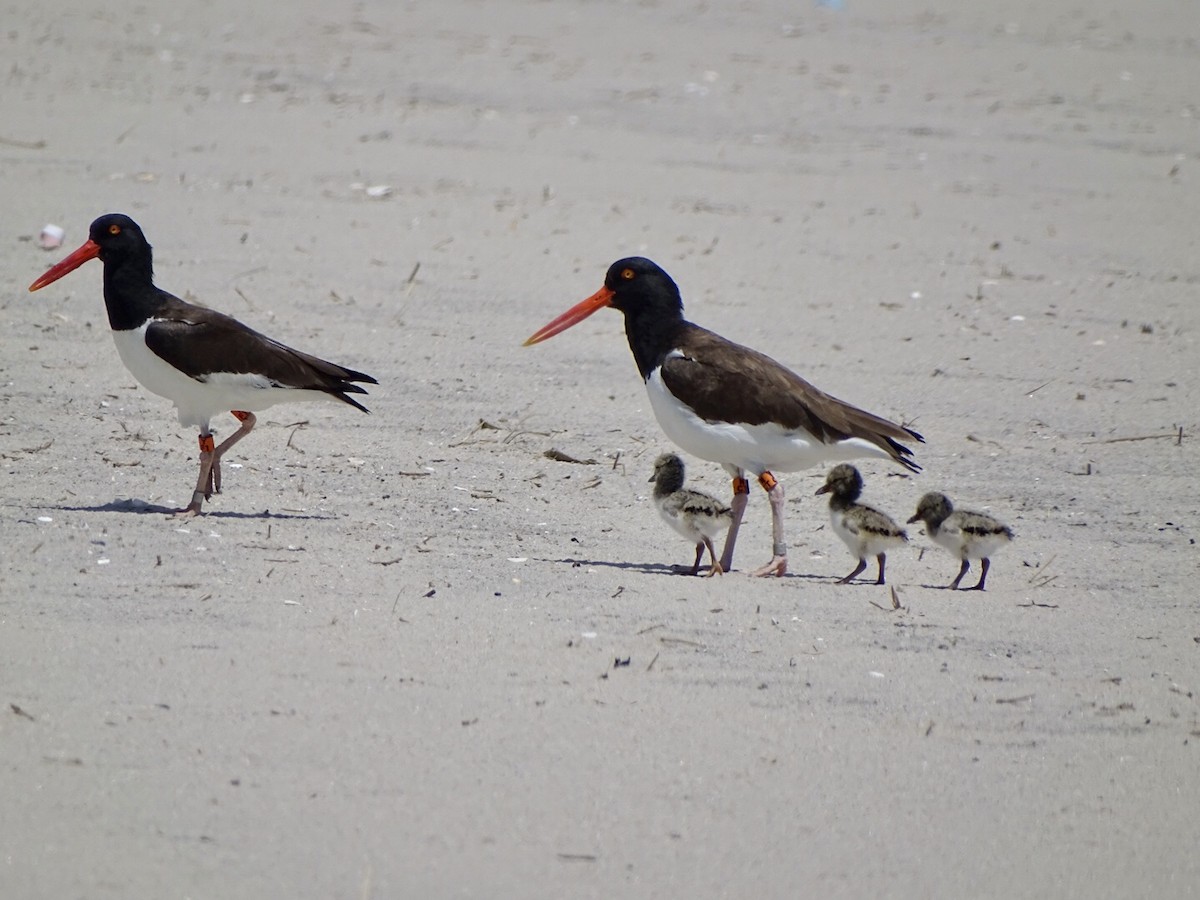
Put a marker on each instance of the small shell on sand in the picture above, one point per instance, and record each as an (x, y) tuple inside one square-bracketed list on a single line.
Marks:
[(51, 237)]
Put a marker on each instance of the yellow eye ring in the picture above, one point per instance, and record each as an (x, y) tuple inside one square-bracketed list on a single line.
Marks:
[(114, 229), (627, 274)]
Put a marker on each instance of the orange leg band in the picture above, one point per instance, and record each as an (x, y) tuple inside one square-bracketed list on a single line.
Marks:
[(239, 414), (206, 443), (767, 480), (741, 486)]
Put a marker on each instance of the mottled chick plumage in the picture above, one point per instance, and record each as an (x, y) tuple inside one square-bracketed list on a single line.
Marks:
[(694, 515), (866, 531), (968, 535)]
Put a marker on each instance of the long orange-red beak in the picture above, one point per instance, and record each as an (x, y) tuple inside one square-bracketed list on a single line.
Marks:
[(90, 250), (572, 316)]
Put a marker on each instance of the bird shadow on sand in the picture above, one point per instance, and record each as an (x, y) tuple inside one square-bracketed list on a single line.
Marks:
[(645, 568), (141, 507), (944, 587), (667, 569)]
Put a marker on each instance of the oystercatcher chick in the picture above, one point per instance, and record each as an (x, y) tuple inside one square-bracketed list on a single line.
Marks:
[(968, 535), (729, 404), (202, 360), (863, 529), (696, 516)]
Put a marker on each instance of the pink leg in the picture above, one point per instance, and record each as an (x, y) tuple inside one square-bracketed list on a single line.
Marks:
[(778, 563), (248, 421), (202, 491), (741, 494), (209, 482)]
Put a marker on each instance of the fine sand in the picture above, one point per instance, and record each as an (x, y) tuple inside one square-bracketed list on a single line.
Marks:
[(409, 654)]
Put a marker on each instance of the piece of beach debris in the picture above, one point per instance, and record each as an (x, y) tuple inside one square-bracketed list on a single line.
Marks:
[(559, 456), (51, 237)]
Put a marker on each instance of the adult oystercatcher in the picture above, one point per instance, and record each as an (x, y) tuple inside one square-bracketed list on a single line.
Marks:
[(865, 530), (202, 360), (968, 535), (729, 404), (695, 516)]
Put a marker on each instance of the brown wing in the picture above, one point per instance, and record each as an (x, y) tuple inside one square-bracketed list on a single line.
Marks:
[(192, 339), (723, 381)]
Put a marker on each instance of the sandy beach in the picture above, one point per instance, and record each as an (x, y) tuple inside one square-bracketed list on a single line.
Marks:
[(409, 654)]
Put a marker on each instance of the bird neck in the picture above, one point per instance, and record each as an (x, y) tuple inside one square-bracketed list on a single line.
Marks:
[(842, 502), (935, 521), (129, 292), (665, 485), (652, 334)]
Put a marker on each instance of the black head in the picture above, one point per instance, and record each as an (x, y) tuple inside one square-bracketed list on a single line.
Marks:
[(647, 297), (638, 283), (118, 241), (118, 236)]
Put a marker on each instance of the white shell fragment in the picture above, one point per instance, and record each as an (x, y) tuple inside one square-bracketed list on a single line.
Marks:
[(373, 191), (51, 237)]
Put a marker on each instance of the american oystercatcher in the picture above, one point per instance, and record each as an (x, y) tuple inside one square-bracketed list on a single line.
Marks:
[(695, 516), (863, 529), (202, 360), (729, 404), (968, 535)]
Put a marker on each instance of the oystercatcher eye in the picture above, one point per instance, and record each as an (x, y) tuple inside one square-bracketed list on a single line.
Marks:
[(114, 229), (627, 274)]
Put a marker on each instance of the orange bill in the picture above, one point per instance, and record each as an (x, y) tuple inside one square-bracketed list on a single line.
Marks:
[(90, 250), (572, 316)]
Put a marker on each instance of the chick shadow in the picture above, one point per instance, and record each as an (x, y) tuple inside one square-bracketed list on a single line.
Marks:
[(644, 568), (141, 507), (667, 568)]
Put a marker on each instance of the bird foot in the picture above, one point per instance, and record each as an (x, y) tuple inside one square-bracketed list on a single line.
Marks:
[(193, 508), (715, 569), (777, 566)]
